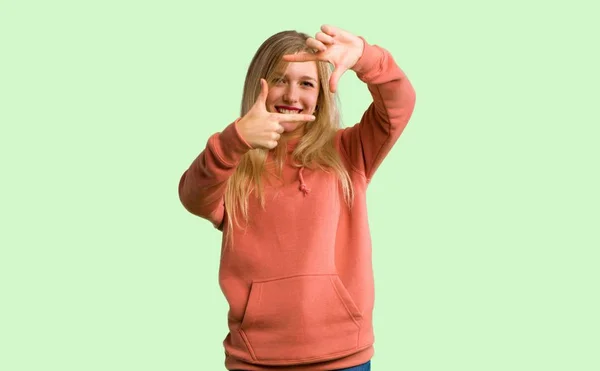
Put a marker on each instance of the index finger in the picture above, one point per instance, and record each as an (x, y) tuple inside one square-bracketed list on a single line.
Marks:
[(290, 117), (300, 57)]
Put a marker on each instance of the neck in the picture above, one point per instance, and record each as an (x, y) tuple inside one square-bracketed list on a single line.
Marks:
[(296, 134)]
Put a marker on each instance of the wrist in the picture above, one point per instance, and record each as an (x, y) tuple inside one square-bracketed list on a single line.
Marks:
[(234, 135), (369, 59)]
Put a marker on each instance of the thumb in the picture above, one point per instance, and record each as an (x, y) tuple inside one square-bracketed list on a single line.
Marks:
[(335, 78), (264, 92)]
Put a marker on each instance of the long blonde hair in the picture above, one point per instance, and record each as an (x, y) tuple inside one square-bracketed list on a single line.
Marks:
[(316, 147)]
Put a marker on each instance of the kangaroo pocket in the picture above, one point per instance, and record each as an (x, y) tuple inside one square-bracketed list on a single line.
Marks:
[(300, 318)]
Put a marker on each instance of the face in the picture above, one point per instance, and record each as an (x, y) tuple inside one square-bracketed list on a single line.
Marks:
[(294, 90)]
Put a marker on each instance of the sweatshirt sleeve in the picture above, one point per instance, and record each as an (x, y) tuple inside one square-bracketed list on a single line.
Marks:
[(202, 185), (368, 142)]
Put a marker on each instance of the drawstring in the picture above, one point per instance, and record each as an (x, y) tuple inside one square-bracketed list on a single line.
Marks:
[(302, 184)]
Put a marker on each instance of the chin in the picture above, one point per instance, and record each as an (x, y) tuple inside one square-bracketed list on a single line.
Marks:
[(290, 126)]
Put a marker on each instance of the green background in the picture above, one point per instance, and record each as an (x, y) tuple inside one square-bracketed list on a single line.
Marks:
[(484, 216)]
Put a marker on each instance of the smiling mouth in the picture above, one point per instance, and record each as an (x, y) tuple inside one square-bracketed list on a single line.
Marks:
[(285, 109)]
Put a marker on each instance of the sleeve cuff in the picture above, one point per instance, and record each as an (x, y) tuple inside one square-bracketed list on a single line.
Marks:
[(230, 145), (370, 62)]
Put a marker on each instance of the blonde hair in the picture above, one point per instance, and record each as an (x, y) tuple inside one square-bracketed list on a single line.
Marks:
[(316, 147)]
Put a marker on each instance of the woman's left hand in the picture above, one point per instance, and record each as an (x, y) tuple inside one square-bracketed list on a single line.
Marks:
[(334, 45)]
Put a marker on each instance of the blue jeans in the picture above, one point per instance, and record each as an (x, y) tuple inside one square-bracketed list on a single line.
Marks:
[(363, 367)]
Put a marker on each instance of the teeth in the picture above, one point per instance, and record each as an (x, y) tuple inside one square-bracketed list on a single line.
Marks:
[(281, 110)]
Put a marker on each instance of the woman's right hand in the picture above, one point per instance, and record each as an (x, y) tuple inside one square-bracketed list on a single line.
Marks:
[(261, 128)]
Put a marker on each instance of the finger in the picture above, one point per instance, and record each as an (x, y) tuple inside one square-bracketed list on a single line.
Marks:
[(315, 44), (329, 30), (293, 117), (324, 38), (277, 128), (335, 78), (300, 57)]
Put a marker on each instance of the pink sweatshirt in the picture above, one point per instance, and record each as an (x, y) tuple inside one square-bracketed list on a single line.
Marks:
[(299, 280)]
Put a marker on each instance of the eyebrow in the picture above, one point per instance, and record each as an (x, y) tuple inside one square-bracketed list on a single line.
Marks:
[(305, 77), (308, 78)]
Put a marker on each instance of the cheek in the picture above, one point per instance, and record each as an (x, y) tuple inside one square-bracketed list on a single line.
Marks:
[(311, 100), (272, 98)]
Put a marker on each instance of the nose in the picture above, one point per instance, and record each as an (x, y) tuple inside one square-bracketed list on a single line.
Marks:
[(291, 94)]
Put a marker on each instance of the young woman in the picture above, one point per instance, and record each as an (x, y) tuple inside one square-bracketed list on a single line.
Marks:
[(286, 185)]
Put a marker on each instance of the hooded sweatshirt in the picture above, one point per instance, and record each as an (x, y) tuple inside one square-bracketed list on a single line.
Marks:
[(298, 278)]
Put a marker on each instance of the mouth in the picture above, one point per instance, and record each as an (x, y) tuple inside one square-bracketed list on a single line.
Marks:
[(287, 109)]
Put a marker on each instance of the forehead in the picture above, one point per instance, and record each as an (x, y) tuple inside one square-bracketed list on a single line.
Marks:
[(298, 69)]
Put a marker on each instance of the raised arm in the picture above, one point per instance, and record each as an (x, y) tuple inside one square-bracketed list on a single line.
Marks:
[(368, 142), (202, 186)]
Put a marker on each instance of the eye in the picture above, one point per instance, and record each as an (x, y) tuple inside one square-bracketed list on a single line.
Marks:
[(278, 80), (308, 83)]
